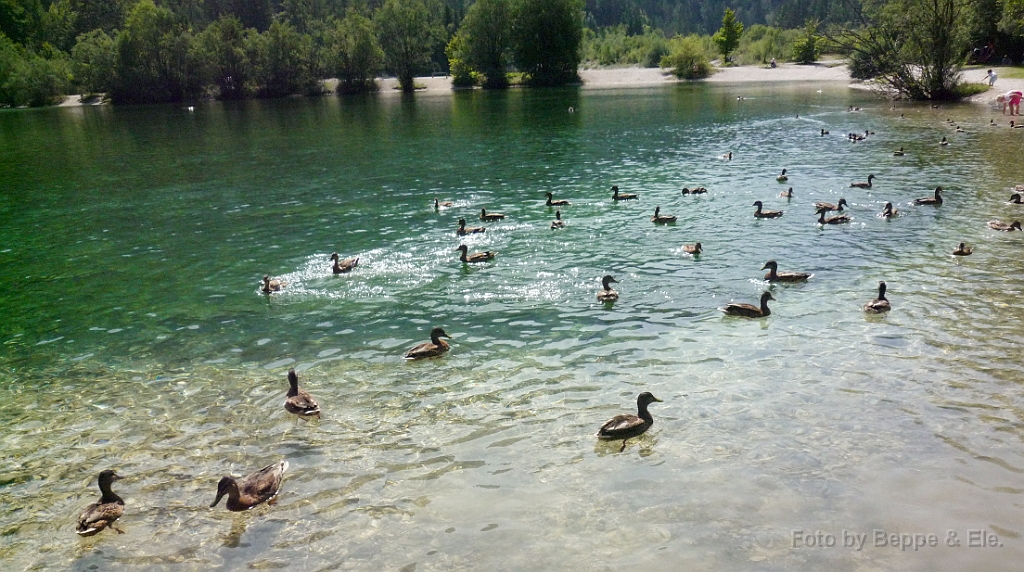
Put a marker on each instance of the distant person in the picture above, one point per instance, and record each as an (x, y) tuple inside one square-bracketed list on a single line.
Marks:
[(773, 64), (991, 76), (1011, 98), (1006, 61)]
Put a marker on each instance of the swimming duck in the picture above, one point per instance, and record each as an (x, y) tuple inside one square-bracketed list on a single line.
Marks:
[(607, 294), (943, 142), (841, 219), (1005, 226), (616, 196), (251, 490), (694, 191), (104, 512), (879, 304), (898, 153), (726, 157), (559, 203), (824, 132), (659, 218), (775, 276), (888, 211), (298, 401), (274, 285), (435, 347), (463, 231), (476, 256), (558, 222), (936, 200), (860, 185), (1015, 199), (765, 214), (962, 250), (832, 207), (991, 122), (787, 194), (445, 204), (343, 266), (959, 129), (693, 249), (490, 217), (749, 310), (626, 426), (782, 178)]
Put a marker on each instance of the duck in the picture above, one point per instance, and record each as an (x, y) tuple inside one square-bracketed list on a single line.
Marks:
[(104, 512), (343, 266), (888, 211), (898, 153), (862, 185), (558, 203), (252, 490), (765, 214), (659, 218), (693, 249), (616, 196), (726, 156), (749, 310), (490, 217), (879, 304), (476, 256), (694, 191), (782, 178), (607, 294), (832, 207), (775, 276), (787, 194), (944, 141), (274, 285), (962, 250), (959, 129), (991, 122), (936, 200), (1015, 199), (463, 230), (298, 401), (824, 132), (434, 348), (1004, 226), (445, 204), (558, 222), (841, 219), (626, 426)]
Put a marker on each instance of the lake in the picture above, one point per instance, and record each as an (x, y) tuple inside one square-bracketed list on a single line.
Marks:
[(136, 338)]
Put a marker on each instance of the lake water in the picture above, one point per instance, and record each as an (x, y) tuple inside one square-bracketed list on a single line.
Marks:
[(135, 336)]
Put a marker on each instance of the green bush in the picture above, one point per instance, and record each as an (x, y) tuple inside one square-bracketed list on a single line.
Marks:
[(92, 62), (29, 79), (462, 74), (687, 58), (615, 46), (805, 49)]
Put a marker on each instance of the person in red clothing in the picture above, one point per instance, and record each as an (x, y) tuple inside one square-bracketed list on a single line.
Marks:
[(1012, 99)]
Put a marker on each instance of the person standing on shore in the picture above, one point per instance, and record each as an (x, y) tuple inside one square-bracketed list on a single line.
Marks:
[(991, 77)]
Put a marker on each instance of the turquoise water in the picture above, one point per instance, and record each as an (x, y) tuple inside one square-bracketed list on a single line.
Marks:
[(135, 336)]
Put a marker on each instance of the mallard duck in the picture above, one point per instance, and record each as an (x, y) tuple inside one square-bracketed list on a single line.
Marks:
[(861, 185), (694, 191), (1004, 226), (558, 222), (898, 153), (936, 200), (726, 156), (104, 512), (659, 218), (343, 266), (879, 304), (841, 219), (763, 213), (251, 490), (463, 231), (959, 129), (888, 211), (435, 347), (782, 178), (962, 250), (274, 285), (490, 217), (824, 132), (832, 207), (626, 426), (445, 204), (476, 256), (607, 294), (944, 141), (693, 249), (560, 203), (749, 310), (787, 194), (298, 401), (1015, 199), (775, 276), (617, 196)]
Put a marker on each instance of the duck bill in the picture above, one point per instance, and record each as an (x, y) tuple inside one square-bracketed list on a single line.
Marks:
[(220, 495)]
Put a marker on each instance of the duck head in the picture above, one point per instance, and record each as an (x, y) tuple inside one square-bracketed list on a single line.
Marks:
[(772, 265), (226, 486), (607, 281), (646, 398), (437, 333)]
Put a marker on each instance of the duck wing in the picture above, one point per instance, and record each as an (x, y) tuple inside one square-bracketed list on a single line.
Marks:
[(877, 306), (302, 404), (748, 310), (425, 350), (622, 426), (262, 485), (98, 516)]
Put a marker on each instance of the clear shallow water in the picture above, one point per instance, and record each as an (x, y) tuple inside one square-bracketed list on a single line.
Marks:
[(135, 337)]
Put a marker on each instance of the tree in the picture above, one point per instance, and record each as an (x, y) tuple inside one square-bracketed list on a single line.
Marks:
[(220, 50), (546, 40), (92, 62), (488, 40), (686, 58), (457, 53), (1012, 21), (29, 79), (283, 61), (728, 36), (355, 54), (152, 57), (408, 31), (805, 49)]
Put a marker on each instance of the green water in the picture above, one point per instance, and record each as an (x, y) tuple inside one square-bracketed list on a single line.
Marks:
[(135, 336)]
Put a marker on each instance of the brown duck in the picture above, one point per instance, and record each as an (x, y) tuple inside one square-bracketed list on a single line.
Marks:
[(659, 218), (490, 217), (626, 426), (889, 212), (936, 200), (841, 219), (759, 213), (693, 249), (616, 196), (558, 203), (749, 310), (343, 266), (274, 285), (775, 276), (476, 256), (962, 250), (463, 230), (251, 490), (832, 207), (1004, 226), (695, 191), (607, 294), (298, 401), (104, 512), (434, 348), (879, 304), (861, 185), (558, 222)]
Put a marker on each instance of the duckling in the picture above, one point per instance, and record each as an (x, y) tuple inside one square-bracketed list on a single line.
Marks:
[(879, 304), (434, 348), (824, 132), (490, 217), (463, 231), (445, 204), (787, 194), (298, 401), (889, 212), (252, 490), (841, 219), (1005, 226), (659, 218), (749, 310), (616, 196), (1015, 199), (832, 207), (936, 200), (782, 178), (860, 185), (274, 285), (775, 276), (558, 222), (944, 141), (343, 266), (962, 250), (898, 153), (765, 214), (694, 191), (693, 249), (104, 512), (476, 256), (607, 294), (558, 203), (626, 426)]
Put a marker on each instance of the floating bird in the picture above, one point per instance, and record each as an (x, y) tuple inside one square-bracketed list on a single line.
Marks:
[(626, 426), (693, 249), (782, 178), (435, 347), (104, 512), (694, 191), (962, 250), (616, 196), (558, 222), (832, 207), (607, 294), (943, 142), (1015, 199), (841, 219), (445, 204), (476, 256), (659, 218), (824, 132), (749, 310), (726, 157), (775, 276), (936, 200), (249, 491), (898, 153), (888, 211), (765, 214), (463, 231), (274, 285), (298, 401), (343, 266), (559, 203), (860, 185), (787, 194), (959, 129), (490, 217), (879, 304), (1005, 226)]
